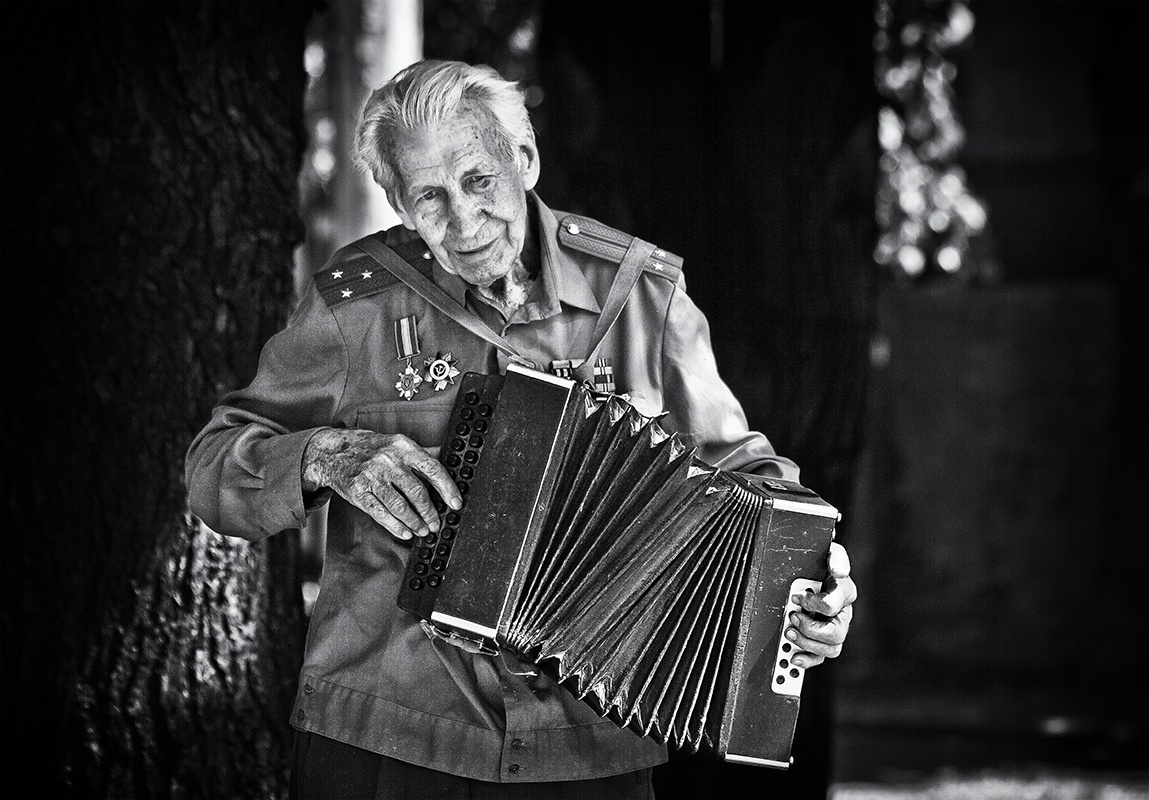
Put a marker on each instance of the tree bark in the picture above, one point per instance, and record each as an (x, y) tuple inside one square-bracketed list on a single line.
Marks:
[(149, 186)]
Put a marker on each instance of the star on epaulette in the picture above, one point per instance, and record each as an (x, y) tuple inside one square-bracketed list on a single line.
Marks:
[(353, 276)]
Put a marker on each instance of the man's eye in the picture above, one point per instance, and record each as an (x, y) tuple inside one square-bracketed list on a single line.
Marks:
[(482, 182), (430, 195)]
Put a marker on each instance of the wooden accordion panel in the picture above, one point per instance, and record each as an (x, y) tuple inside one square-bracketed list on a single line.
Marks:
[(652, 585)]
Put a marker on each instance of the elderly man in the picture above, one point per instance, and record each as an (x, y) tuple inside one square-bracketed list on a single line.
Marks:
[(352, 397)]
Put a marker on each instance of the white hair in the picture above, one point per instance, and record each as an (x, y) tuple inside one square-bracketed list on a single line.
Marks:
[(427, 92)]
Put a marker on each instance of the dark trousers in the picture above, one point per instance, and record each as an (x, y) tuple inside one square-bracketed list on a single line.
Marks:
[(325, 769)]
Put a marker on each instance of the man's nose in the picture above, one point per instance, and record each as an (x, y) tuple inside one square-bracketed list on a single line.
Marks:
[(466, 215)]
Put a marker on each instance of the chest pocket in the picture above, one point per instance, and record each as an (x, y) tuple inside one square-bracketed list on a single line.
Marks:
[(423, 421)]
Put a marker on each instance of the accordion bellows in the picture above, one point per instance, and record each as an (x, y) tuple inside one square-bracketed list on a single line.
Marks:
[(649, 583)]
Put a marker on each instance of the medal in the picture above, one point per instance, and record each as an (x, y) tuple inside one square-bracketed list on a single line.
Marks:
[(564, 368), (406, 348), (408, 384), (441, 371), (603, 376)]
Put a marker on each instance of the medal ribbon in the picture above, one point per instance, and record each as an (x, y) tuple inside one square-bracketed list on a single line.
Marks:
[(406, 338)]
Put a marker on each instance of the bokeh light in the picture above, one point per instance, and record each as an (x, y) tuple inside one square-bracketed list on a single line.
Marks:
[(927, 215)]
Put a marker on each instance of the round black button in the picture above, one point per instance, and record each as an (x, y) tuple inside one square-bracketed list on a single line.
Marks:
[(434, 581), (462, 429), (471, 398), (471, 456), (467, 413), (440, 506), (786, 647), (421, 569), (452, 460), (424, 553), (430, 538), (781, 679), (299, 715), (458, 445), (443, 549), (516, 744), (452, 517), (476, 441), (308, 688), (438, 565), (416, 584), (448, 534), (467, 473), (463, 487), (513, 768), (484, 410), (794, 673), (480, 426), (783, 663)]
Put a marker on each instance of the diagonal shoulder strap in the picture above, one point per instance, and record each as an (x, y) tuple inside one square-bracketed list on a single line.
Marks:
[(434, 294), (629, 269)]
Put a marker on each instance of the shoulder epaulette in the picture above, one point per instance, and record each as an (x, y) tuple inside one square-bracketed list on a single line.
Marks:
[(591, 236), (352, 274)]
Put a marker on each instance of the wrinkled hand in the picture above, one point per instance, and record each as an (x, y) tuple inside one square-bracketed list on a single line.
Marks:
[(820, 628), (381, 474)]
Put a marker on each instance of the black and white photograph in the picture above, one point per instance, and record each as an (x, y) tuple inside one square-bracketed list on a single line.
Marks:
[(575, 399)]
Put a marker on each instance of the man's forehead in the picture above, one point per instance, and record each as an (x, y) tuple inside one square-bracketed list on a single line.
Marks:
[(458, 141)]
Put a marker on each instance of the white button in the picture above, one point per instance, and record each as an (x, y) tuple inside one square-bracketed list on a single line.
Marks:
[(573, 229)]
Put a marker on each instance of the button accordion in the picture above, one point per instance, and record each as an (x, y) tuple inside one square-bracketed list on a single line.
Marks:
[(651, 584)]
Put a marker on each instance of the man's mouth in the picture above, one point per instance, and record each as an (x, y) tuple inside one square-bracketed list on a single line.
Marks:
[(475, 252)]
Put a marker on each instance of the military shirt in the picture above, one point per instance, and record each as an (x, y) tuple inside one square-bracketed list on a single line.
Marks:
[(371, 677)]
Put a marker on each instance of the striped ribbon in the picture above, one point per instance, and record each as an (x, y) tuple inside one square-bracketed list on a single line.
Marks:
[(406, 337), (603, 376)]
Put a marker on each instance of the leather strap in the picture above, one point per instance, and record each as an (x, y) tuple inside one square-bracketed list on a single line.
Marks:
[(628, 272), (433, 294), (629, 269)]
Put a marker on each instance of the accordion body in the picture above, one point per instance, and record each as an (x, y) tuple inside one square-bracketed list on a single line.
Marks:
[(649, 583)]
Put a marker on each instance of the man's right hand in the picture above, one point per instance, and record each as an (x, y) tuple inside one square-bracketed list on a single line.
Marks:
[(380, 473)]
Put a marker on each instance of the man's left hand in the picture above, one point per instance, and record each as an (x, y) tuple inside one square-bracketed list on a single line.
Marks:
[(820, 628)]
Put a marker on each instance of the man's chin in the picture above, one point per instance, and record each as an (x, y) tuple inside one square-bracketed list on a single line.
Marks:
[(482, 277)]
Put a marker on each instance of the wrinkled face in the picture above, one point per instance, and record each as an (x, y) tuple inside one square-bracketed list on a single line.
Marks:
[(467, 202)]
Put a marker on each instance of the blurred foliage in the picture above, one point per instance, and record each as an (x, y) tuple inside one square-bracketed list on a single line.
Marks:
[(931, 223)]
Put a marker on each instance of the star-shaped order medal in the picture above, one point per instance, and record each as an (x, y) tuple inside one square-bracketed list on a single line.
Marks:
[(441, 371), (409, 382)]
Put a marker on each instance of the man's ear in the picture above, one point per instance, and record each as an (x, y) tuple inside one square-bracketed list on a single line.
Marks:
[(529, 164), (397, 206)]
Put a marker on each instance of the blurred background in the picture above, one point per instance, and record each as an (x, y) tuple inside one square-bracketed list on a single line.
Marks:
[(918, 229)]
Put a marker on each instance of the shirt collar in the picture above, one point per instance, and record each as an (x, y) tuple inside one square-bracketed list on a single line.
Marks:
[(560, 279), (563, 281)]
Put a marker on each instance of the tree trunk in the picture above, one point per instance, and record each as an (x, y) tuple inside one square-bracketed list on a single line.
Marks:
[(149, 168)]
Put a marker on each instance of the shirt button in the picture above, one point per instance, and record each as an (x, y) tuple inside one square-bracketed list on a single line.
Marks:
[(299, 715), (513, 768), (516, 744), (308, 688)]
